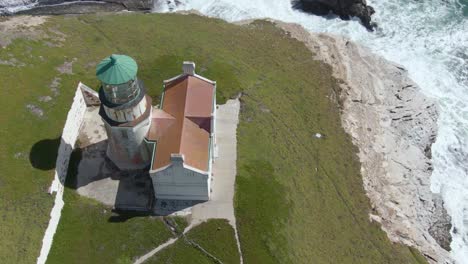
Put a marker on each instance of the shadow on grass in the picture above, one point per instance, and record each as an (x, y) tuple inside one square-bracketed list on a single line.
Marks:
[(124, 215), (43, 154)]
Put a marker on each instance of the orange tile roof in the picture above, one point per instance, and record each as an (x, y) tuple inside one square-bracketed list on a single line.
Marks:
[(189, 101)]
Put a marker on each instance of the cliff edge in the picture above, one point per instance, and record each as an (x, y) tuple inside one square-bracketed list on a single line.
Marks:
[(394, 125)]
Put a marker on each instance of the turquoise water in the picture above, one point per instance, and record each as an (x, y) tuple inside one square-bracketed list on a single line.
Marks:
[(464, 3)]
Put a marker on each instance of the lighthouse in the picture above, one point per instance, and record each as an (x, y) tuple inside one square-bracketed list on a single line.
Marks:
[(126, 112)]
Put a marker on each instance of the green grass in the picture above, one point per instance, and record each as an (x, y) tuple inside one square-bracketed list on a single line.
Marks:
[(215, 236), (180, 253), (297, 199), (179, 223), (97, 235)]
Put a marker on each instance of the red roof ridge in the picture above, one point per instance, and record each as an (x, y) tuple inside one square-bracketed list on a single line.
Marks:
[(183, 75), (188, 99)]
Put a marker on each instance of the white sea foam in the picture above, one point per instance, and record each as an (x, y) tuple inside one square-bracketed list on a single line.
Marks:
[(430, 39), (12, 6)]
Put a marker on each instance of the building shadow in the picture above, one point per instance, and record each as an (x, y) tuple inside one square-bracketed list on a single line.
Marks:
[(43, 154), (134, 196), (72, 172), (135, 192), (165, 207), (120, 216), (90, 164)]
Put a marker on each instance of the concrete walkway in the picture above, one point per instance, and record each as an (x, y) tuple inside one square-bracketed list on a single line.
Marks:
[(156, 250), (161, 247), (224, 176), (224, 170)]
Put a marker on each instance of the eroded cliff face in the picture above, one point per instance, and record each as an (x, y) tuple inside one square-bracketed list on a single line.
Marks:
[(343, 8), (394, 125)]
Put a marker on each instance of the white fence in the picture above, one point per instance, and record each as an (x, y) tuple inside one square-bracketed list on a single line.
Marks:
[(67, 143)]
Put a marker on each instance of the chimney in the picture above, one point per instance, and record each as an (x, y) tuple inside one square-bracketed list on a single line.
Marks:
[(189, 67)]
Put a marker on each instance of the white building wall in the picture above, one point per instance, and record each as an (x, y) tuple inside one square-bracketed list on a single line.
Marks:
[(180, 182), (69, 135)]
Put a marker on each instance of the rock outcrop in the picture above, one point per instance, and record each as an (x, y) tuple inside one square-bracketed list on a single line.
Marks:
[(343, 8), (134, 4)]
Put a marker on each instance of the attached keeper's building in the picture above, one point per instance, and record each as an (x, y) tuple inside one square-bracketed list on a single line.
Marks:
[(175, 140)]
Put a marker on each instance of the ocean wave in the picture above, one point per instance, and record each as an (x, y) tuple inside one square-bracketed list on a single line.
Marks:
[(13, 6)]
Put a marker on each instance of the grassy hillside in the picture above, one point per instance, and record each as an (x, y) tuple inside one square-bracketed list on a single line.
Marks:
[(298, 198)]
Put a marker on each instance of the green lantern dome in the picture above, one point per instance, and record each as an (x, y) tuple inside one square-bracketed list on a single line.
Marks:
[(116, 69)]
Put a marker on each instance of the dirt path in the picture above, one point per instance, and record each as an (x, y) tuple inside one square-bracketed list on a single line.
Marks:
[(161, 247)]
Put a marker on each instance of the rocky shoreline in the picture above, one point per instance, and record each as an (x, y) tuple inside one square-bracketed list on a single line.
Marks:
[(60, 7), (345, 9), (394, 125)]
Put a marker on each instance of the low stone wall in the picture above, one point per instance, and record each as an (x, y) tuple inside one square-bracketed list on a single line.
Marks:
[(67, 144)]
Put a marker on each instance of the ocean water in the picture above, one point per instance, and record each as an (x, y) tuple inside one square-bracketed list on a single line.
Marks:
[(430, 39)]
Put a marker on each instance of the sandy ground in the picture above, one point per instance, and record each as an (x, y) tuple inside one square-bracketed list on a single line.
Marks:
[(20, 26), (21, 22), (394, 126)]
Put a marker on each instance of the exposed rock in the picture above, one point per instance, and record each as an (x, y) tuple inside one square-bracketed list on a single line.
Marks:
[(45, 98), (20, 155), (440, 228), (12, 62), (134, 4), (20, 27), (343, 8), (66, 67), (34, 109), (54, 85), (59, 7)]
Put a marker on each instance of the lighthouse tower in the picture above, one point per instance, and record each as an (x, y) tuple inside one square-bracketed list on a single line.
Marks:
[(125, 110)]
